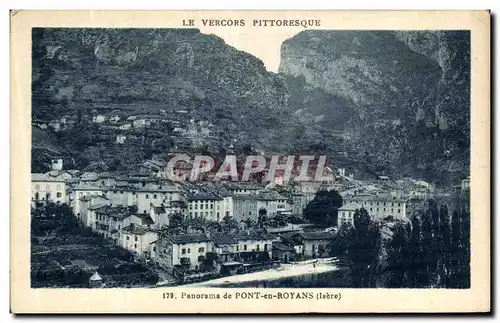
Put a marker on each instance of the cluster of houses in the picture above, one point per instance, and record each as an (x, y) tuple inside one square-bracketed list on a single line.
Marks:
[(115, 126), (135, 211)]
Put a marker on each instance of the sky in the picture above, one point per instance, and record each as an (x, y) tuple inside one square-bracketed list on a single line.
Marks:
[(263, 43)]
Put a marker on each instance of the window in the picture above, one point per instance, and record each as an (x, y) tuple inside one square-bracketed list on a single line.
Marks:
[(237, 248), (189, 250), (371, 209), (201, 206), (245, 247), (58, 194), (183, 251), (147, 196), (399, 210), (258, 247), (195, 214), (155, 196), (121, 192), (135, 238), (37, 186), (211, 206), (384, 209), (399, 204), (265, 247), (201, 250), (154, 249), (135, 246)]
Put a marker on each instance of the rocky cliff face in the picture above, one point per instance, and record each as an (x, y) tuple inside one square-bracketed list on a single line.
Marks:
[(408, 93), (144, 71)]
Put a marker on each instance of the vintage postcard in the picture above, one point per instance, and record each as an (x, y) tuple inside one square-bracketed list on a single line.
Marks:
[(250, 161)]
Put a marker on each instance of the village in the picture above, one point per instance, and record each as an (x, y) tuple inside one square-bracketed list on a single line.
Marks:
[(204, 230)]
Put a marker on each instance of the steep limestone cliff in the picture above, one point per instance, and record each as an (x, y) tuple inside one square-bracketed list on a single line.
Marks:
[(409, 93)]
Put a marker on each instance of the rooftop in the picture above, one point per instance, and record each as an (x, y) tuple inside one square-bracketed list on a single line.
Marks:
[(204, 196), (189, 238), (318, 235), (38, 177), (223, 239), (282, 247), (137, 230), (350, 207)]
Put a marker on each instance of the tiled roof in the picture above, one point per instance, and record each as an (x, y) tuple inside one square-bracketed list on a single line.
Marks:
[(137, 230), (350, 207), (38, 177), (282, 247), (189, 238), (204, 196), (320, 235), (223, 239)]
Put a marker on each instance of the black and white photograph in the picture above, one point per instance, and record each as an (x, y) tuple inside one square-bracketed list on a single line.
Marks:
[(166, 157)]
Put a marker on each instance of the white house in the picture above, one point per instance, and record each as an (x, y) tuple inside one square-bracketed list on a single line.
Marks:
[(100, 118), (346, 214)]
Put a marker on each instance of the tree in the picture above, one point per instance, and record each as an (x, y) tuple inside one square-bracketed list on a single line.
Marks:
[(428, 250), (398, 252), (444, 245), (363, 249), (341, 241), (323, 209), (175, 220), (262, 216), (415, 263)]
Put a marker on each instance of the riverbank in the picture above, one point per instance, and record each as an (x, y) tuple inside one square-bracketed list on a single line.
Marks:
[(283, 271)]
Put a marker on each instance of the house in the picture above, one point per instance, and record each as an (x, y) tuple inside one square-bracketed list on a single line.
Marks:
[(183, 252), (125, 126), (100, 118), (205, 205), (254, 247), (119, 194), (283, 252), (86, 206), (316, 244), (379, 206), (383, 179), (176, 207), (465, 185), (274, 203), (226, 247), (141, 122), (156, 166), (95, 281), (346, 214), (55, 125), (120, 139), (293, 239), (245, 207), (156, 194), (45, 188), (84, 190), (110, 220), (114, 119), (242, 189), (137, 239), (159, 216)]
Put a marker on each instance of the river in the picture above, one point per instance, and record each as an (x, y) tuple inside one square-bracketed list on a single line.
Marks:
[(329, 279)]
